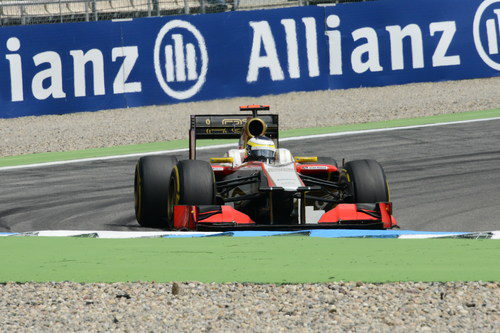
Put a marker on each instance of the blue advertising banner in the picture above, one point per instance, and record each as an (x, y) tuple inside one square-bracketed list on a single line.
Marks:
[(62, 68)]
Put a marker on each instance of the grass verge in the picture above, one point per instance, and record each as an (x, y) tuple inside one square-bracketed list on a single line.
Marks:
[(285, 259), (178, 144)]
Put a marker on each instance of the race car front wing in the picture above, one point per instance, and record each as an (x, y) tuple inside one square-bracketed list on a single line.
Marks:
[(343, 216)]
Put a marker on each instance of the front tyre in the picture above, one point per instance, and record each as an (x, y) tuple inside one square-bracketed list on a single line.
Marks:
[(192, 182), (368, 181), (151, 185)]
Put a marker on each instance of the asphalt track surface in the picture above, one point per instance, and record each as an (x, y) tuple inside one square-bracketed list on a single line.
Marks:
[(444, 178)]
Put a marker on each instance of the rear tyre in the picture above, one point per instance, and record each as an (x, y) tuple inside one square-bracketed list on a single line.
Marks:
[(368, 181), (151, 185), (192, 182)]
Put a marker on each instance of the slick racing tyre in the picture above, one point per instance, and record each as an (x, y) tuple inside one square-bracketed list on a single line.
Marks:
[(368, 181), (151, 185), (192, 182)]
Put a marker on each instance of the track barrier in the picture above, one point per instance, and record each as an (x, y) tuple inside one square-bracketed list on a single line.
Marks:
[(64, 68)]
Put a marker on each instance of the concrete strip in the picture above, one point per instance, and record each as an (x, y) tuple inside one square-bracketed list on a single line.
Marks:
[(401, 234), (112, 234)]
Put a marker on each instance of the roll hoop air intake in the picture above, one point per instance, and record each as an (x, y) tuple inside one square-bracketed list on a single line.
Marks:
[(255, 127)]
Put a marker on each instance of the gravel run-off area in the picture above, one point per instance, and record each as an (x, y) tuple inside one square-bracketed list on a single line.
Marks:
[(297, 110), (197, 307)]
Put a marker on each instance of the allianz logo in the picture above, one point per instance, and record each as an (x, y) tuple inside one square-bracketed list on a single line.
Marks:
[(180, 59), (183, 61), (487, 19), (492, 28)]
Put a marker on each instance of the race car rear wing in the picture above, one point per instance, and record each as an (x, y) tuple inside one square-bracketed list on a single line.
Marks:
[(228, 126)]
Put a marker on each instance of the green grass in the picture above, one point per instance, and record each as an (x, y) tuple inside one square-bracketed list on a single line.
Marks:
[(285, 259), (177, 144)]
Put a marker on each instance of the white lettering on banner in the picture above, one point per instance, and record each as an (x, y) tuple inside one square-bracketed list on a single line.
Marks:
[(16, 70), (291, 48), (53, 74), (48, 82), (80, 59), (264, 54), (439, 58), (364, 57), (179, 58), (263, 37), (397, 34), (490, 10), (370, 48), (129, 55), (334, 45), (311, 46)]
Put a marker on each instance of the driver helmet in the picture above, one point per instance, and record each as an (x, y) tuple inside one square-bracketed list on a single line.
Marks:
[(260, 148)]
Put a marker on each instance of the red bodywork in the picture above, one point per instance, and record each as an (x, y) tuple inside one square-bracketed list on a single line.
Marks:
[(305, 169), (225, 217)]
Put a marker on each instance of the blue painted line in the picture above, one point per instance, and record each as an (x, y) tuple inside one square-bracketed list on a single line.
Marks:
[(262, 233), (337, 233)]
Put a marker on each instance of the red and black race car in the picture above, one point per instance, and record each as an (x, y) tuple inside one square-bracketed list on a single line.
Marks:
[(246, 191)]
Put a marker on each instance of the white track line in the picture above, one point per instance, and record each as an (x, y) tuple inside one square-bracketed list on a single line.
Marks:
[(295, 138)]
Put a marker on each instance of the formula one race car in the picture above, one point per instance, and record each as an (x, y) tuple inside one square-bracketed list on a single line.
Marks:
[(258, 185)]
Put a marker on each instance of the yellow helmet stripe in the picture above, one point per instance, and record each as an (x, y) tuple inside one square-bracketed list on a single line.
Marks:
[(253, 144)]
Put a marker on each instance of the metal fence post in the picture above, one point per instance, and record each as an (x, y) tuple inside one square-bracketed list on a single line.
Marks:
[(23, 18), (186, 7), (236, 5), (60, 12), (94, 9), (156, 7), (86, 6), (202, 4), (149, 8)]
